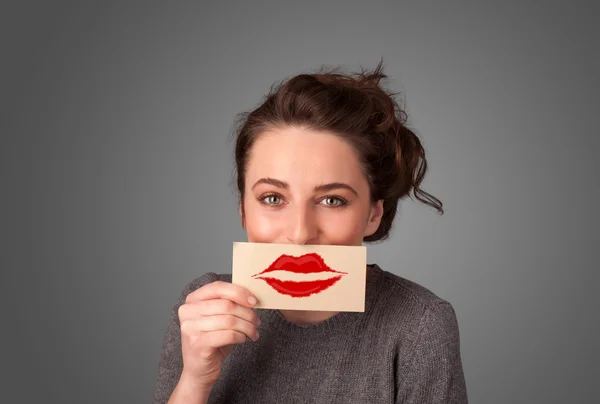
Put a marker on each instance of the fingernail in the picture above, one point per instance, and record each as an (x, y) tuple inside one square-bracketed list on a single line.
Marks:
[(259, 322), (256, 336), (252, 300)]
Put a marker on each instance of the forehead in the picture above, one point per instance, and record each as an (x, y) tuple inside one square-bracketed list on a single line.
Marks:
[(303, 157)]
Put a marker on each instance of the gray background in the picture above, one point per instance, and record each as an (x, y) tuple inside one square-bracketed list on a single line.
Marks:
[(116, 165)]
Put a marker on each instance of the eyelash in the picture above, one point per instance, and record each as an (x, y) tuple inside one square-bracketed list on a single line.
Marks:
[(342, 201)]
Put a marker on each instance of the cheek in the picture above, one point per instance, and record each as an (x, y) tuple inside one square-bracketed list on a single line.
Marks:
[(260, 226), (345, 227)]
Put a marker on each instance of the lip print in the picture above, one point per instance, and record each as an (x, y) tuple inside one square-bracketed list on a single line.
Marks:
[(310, 263)]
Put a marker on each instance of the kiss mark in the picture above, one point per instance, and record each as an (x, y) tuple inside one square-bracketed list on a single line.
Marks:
[(310, 263)]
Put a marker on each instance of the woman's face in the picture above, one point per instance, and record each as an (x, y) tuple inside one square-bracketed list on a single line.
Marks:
[(306, 187)]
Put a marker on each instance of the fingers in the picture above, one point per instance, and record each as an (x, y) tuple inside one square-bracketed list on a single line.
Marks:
[(219, 314), (222, 338), (210, 324), (222, 290), (215, 307)]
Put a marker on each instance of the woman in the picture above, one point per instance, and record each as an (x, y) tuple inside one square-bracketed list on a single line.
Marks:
[(324, 160)]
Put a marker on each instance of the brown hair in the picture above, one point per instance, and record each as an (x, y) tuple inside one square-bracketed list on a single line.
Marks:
[(356, 108)]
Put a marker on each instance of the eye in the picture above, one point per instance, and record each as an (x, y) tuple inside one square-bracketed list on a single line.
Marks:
[(333, 201), (271, 199)]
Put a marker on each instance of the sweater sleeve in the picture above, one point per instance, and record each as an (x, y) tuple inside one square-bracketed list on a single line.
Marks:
[(170, 362), (434, 373)]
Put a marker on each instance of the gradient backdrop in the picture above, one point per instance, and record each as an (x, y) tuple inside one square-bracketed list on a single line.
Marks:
[(116, 163)]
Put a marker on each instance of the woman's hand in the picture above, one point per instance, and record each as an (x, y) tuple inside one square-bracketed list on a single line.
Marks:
[(212, 319)]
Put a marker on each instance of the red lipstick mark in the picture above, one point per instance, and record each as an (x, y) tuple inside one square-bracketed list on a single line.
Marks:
[(300, 289), (310, 263)]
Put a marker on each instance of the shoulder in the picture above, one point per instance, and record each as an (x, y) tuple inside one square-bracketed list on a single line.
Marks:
[(200, 281), (205, 279), (415, 306), (426, 342), (403, 292)]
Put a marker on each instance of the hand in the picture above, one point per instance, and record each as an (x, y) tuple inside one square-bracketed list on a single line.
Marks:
[(212, 319)]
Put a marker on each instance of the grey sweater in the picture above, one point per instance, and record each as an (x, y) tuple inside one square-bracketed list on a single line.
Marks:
[(403, 349)]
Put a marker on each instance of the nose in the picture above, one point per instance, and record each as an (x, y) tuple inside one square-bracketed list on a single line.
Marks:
[(302, 226)]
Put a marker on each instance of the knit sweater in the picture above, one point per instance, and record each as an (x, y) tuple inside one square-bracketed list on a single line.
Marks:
[(403, 349)]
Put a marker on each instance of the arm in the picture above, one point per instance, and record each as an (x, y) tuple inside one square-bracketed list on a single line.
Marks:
[(171, 385), (434, 373), (187, 392)]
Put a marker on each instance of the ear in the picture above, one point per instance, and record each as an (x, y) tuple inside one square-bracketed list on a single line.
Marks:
[(241, 212), (374, 218)]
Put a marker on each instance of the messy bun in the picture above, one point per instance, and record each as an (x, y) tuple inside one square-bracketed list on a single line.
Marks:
[(358, 109)]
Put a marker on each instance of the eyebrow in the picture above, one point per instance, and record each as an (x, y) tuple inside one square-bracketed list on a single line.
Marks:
[(335, 185), (271, 181), (319, 188)]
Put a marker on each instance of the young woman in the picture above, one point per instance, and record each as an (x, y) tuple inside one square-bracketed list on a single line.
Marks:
[(324, 160)]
